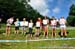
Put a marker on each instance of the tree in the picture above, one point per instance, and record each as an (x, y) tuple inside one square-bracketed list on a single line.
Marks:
[(71, 17), (18, 9)]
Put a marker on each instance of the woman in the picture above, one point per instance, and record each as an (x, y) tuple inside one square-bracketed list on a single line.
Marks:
[(53, 26), (38, 26), (62, 23), (9, 22), (45, 25)]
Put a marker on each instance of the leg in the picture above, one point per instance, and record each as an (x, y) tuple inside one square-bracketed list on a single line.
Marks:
[(61, 32), (9, 31), (6, 30), (46, 31), (54, 32), (65, 32)]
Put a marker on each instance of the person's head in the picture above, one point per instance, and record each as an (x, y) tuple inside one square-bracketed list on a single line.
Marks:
[(45, 17), (62, 17), (24, 19), (31, 21), (11, 17), (53, 18), (17, 19), (39, 18)]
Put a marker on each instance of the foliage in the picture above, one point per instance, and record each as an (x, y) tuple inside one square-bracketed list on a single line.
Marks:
[(71, 17), (18, 9)]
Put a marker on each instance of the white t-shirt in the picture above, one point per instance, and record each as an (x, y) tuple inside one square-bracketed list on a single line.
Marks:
[(26, 23), (38, 24), (17, 23), (53, 22), (30, 25), (45, 21), (62, 21), (21, 23)]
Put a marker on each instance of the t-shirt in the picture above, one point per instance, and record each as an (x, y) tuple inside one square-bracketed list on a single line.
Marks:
[(25, 23), (45, 21), (17, 23), (30, 25), (62, 21), (38, 24), (10, 21), (21, 23), (53, 22)]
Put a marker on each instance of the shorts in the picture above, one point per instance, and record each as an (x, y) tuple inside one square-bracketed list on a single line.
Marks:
[(8, 26), (17, 28), (30, 30), (44, 25), (62, 26), (53, 26), (45, 28), (23, 28), (37, 27), (26, 26)]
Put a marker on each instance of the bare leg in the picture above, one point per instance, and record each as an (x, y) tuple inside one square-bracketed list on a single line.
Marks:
[(9, 31), (61, 31), (54, 32), (65, 33), (17, 31), (6, 30)]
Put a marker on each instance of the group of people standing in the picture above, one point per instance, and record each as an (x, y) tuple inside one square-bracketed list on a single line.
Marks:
[(41, 24)]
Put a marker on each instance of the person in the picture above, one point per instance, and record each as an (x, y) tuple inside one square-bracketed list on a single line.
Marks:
[(24, 25), (8, 25), (62, 23), (17, 24), (53, 27), (0, 22), (45, 25), (30, 26), (38, 26)]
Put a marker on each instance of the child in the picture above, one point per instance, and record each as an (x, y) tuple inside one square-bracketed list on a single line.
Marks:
[(17, 23), (62, 23), (0, 22), (24, 25), (38, 26), (9, 22), (30, 28), (45, 25), (53, 25)]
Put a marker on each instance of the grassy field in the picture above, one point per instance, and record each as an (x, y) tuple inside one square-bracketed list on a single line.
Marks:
[(45, 44)]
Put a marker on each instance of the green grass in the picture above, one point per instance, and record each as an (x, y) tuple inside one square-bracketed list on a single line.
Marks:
[(36, 44)]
